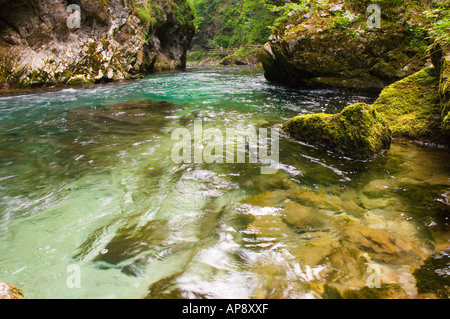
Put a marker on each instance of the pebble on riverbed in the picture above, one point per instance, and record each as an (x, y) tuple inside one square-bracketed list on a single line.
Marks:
[(8, 291)]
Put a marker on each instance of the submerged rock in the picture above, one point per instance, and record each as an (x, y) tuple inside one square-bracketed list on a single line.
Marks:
[(434, 275), (8, 291), (115, 40), (303, 218), (386, 291), (357, 131), (383, 245)]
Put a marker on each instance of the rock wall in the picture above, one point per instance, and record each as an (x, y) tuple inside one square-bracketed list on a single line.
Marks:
[(440, 55), (116, 40), (331, 45), (414, 108)]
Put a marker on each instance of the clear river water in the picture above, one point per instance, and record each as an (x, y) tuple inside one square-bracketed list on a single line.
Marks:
[(93, 206)]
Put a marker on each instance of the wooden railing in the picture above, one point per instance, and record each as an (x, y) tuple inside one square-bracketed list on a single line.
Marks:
[(225, 52)]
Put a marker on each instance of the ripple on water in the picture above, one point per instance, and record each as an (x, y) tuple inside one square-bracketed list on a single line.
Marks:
[(87, 179)]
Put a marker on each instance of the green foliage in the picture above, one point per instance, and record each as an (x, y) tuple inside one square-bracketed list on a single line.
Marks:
[(287, 10), (235, 23), (440, 19), (361, 5), (222, 40), (146, 14), (394, 3), (195, 55), (341, 22), (245, 54)]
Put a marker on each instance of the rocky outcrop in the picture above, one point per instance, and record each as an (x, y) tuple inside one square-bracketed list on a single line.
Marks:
[(440, 55), (8, 291), (358, 130), (330, 45), (411, 106), (417, 107), (116, 40), (414, 108)]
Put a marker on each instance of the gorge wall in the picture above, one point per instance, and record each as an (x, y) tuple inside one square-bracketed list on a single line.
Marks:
[(330, 44), (115, 40)]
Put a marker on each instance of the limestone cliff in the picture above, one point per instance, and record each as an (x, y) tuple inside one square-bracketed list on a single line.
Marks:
[(331, 44), (115, 40)]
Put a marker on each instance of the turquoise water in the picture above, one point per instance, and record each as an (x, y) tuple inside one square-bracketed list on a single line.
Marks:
[(87, 181)]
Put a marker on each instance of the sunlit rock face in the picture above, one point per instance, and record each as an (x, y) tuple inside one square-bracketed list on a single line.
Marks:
[(52, 42), (333, 45)]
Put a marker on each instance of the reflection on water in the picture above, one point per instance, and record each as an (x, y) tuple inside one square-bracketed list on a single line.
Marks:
[(86, 178)]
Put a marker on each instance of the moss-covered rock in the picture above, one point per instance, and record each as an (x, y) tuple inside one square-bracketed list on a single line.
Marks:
[(412, 106), (8, 291), (440, 55), (445, 126), (329, 44), (358, 130)]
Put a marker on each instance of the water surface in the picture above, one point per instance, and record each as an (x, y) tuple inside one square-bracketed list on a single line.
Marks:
[(86, 179)]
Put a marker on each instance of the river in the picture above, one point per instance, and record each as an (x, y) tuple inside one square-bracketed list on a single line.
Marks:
[(93, 206)]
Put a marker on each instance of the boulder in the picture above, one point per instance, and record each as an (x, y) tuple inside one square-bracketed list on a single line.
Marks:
[(331, 45), (357, 131), (411, 106)]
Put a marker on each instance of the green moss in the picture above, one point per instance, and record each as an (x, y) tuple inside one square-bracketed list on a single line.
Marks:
[(358, 130), (144, 15), (445, 127), (76, 81), (446, 123), (411, 106), (36, 78), (93, 61), (444, 81)]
